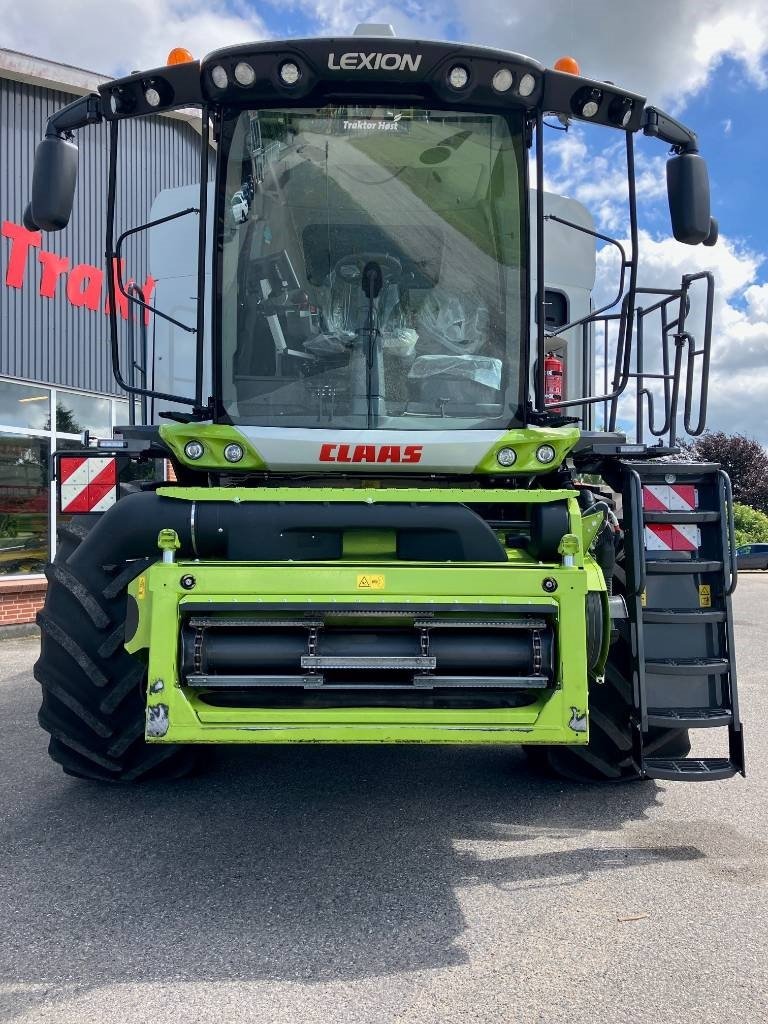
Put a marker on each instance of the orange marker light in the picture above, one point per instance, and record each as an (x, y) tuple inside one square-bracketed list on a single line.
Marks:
[(569, 65), (179, 55)]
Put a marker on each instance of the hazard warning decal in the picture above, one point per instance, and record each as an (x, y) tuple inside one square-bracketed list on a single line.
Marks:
[(86, 484), (671, 536), (371, 581)]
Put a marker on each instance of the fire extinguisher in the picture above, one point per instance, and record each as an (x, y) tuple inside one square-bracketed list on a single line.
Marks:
[(554, 379)]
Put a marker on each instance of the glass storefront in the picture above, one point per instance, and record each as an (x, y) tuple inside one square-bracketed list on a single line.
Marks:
[(24, 504), (31, 417)]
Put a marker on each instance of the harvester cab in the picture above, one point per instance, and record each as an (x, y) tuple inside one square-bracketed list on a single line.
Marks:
[(382, 417)]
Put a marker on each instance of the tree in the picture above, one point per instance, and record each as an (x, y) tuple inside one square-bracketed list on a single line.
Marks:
[(743, 459), (751, 525)]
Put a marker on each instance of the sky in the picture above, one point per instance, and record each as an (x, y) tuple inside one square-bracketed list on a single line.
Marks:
[(705, 61)]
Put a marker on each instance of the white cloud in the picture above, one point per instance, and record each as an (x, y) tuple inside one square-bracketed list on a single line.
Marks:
[(116, 38), (665, 51), (598, 179)]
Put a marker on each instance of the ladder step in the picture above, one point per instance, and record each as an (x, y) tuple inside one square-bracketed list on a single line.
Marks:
[(658, 566), (680, 518), (686, 666), (689, 718), (682, 617), (689, 769)]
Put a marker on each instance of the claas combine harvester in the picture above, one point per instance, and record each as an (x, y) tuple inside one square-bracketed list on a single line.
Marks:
[(392, 517)]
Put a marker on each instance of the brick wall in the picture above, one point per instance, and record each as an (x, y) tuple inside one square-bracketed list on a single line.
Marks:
[(20, 599)]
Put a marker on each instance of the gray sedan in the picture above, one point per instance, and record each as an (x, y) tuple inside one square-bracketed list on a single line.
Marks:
[(752, 556)]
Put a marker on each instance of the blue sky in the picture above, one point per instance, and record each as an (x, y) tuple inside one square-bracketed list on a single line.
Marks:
[(706, 61)]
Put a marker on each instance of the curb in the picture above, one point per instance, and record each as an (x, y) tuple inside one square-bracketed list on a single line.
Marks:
[(20, 630)]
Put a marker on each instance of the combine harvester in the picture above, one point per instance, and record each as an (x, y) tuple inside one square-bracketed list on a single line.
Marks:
[(380, 419)]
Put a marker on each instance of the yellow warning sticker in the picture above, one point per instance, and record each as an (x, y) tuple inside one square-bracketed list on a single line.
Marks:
[(644, 598), (142, 588), (370, 582), (705, 595)]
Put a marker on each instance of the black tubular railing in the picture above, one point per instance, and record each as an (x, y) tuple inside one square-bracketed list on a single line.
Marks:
[(673, 309), (668, 356), (137, 365)]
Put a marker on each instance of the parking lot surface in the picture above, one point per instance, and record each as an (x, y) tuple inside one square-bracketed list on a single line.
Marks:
[(382, 884)]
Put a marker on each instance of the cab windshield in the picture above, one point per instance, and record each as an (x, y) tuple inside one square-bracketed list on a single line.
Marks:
[(372, 268)]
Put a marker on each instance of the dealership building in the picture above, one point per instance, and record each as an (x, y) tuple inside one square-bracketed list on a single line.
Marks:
[(55, 369)]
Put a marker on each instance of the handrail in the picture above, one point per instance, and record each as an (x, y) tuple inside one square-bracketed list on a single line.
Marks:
[(732, 577), (638, 548), (138, 293)]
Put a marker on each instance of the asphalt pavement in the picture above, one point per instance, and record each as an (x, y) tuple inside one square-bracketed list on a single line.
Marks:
[(384, 885)]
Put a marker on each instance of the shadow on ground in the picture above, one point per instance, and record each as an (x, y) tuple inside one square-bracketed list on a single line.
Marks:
[(297, 863)]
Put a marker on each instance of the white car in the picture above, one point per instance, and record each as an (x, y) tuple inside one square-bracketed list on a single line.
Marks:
[(240, 208)]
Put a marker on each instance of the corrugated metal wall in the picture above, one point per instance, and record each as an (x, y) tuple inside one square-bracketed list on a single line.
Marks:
[(49, 339)]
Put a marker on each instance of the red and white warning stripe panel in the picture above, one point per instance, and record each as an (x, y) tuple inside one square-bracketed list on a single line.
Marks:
[(670, 498), (86, 484), (672, 537)]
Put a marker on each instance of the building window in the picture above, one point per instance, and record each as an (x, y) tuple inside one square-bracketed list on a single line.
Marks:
[(76, 413), (24, 405), (24, 504), (27, 438)]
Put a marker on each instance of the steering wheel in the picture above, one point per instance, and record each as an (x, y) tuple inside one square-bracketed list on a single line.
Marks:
[(350, 268)]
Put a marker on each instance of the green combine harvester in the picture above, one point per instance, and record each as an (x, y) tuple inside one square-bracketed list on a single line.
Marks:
[(393, 518)]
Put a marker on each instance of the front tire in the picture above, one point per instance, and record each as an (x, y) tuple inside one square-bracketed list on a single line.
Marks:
[(608, 756), (94, 692)]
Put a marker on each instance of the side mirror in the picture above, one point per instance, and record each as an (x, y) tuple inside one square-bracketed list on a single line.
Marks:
[(688, 194), (53, 183)]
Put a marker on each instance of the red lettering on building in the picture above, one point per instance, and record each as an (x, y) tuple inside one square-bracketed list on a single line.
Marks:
[(21, 242), (84, 286), (389, 453), (53, 267), (118, 272), (84, 282)]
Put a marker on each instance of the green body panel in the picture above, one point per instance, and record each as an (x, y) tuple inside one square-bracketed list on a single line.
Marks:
[(369, 491), (525, 442), (215, 437), (161, 601)]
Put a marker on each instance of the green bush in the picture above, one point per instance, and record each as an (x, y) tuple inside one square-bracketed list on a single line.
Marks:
[(751, 525)]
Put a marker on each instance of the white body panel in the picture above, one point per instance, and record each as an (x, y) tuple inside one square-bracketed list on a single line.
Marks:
[(439, 451)]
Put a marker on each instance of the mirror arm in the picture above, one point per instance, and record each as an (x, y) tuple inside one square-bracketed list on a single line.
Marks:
[(659, 125), (83, 111)]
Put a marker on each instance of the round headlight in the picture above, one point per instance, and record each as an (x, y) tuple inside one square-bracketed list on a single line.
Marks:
[(458, 77), (244, 73), (527, 85), (545, 453), (290, 73), (194, 450), (233, 453), (506, 456), (589, 109), (502, 80), (219, 77), (152, 96)]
